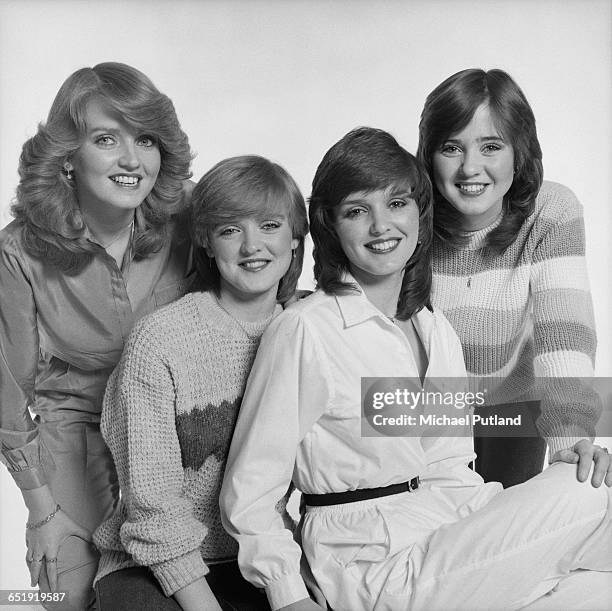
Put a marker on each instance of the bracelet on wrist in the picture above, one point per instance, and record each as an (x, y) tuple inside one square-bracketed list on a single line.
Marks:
[(35, 525)]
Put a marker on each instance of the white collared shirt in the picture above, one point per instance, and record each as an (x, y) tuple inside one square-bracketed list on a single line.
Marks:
[(301, 419)]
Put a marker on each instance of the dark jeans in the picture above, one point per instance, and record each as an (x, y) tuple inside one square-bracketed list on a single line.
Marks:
[(510, 460), (136, 589)]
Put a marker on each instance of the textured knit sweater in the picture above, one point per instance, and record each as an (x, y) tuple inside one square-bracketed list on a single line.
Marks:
[(168, 417), (527, 313)]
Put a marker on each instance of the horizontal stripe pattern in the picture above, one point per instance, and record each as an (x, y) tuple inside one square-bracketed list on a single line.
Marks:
[(527, 310)]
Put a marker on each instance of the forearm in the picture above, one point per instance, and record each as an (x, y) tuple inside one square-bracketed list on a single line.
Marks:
[(197, 596)]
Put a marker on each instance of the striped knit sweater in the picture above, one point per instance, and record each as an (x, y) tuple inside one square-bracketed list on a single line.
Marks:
[(527, 313), (168, 417)]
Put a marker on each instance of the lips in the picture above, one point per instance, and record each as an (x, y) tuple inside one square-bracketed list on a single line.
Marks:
[(383, 246), (126, 180), (254, 265), (471, 188)]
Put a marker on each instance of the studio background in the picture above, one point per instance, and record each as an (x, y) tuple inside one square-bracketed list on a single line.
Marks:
[(287, 79)]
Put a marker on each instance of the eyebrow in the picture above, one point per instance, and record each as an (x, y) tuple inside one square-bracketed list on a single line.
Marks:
[(483, 139), (102, 128), (401, 193)]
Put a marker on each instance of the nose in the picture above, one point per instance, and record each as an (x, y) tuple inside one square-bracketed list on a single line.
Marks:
[(130, 158), (471, 163), (380, 221), (250, 243)]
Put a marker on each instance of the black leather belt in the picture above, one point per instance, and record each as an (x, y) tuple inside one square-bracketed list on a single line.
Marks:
[(363, 494)]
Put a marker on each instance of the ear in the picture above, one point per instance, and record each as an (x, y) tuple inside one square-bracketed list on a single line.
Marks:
[(208, 250), (295, 242)]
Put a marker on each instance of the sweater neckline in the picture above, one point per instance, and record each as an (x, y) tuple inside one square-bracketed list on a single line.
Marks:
[(252, 329), (475, 240)]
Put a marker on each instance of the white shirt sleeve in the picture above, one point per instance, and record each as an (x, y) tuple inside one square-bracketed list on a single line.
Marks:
[(287, 391)]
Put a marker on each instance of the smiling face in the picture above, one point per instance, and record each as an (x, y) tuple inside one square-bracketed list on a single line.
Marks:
[(473, 170), (378, 232), (115, 168), (252, 254)]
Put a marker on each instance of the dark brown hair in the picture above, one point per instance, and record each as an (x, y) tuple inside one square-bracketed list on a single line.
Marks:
[(369, 159), (448, 109)]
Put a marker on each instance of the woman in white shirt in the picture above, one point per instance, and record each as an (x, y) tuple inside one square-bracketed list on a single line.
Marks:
[(390, 523)]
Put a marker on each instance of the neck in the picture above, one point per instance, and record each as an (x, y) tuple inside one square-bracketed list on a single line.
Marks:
[(382, 291), (250, 308), (105, 227), (472, 224)]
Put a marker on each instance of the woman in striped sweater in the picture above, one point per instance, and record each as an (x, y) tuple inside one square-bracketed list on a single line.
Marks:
[(509, 272)]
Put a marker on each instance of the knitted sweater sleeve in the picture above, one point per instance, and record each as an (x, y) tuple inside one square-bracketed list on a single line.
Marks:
[(564, 328), (138, 424)]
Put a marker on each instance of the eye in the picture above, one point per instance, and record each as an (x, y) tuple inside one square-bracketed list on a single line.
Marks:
[(227, 231), (491, 147), (354, 212), (270, 225), (105, 140), (450, 149), (146, 141), (397, 203)]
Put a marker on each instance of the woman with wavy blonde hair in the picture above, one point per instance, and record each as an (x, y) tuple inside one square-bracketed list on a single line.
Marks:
[(93, 247)]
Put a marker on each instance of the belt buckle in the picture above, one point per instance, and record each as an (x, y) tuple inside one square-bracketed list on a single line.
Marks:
[(413, 484)]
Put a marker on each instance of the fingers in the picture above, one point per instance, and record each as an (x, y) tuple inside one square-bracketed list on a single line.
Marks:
[(601, 470), (568, 455), (51, 566), (608, 479), (585, 450), (34, 565)]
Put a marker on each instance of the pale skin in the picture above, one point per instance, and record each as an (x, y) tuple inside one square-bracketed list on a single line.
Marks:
[(109, 149), (479, 157), (363, 218)]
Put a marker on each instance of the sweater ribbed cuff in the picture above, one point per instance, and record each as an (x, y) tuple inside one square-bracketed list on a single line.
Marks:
[(179, 572), (286, 590)]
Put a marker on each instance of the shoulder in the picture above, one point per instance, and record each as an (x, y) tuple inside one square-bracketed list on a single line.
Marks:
[(439, 320), (169, 324), (11, 238), (304, 313), (557, 203)]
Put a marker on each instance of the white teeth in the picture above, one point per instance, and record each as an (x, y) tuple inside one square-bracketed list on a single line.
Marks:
[(125, 180), (381, 246), (253, 264), (474, 188)]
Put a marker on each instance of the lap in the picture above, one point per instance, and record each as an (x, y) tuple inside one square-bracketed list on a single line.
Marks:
[(511, 546), (136, 589)]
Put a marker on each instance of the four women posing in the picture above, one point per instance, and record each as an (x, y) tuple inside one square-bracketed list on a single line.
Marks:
[(389, 523)]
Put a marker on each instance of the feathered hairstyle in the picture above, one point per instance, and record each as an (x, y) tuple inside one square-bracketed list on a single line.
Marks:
[(368, 159), (46, 203)]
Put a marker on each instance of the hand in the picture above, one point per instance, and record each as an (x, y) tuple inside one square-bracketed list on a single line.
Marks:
[(44, 543), (302, 605), (584, 454)]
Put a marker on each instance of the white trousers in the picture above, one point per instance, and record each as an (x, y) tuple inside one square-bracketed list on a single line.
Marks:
[(449, 546)]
